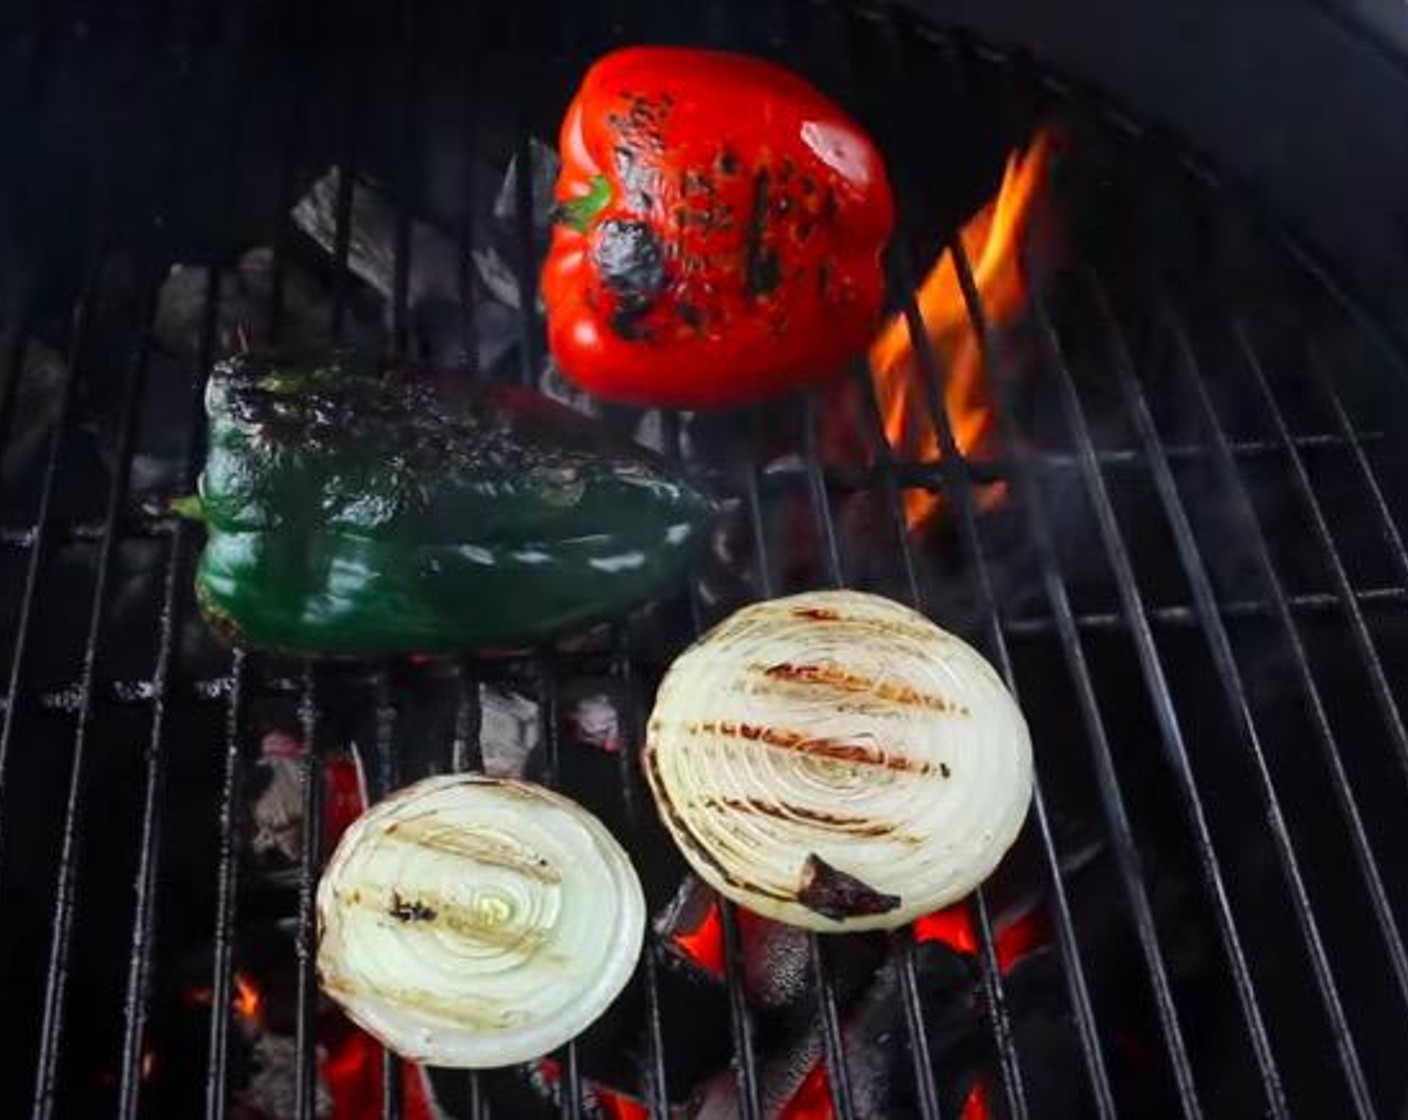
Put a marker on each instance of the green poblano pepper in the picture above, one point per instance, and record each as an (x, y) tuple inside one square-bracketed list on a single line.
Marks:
[(356, 515)]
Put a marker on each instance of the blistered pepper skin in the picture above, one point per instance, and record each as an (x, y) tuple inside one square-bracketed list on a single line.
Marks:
[(350, 515), (720, 226)]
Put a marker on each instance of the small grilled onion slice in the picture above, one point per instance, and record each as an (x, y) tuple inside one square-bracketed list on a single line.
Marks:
[(834, 760), (472, 922)]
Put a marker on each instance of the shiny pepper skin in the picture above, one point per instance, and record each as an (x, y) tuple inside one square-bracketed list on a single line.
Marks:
[(356, 515), (718, 235)]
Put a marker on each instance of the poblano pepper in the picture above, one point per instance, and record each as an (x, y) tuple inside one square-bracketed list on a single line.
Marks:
[(349, 514)]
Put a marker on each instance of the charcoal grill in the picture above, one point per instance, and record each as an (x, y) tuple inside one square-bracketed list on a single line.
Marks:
[(1196, 583)]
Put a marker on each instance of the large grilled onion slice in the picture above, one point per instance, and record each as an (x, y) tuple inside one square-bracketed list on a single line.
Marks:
[(836, 761), (472, 922)]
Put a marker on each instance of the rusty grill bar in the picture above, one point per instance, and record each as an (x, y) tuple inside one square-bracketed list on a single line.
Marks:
[(1091, 463)]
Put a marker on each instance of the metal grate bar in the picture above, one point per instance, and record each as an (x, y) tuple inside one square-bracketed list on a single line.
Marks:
[(406, 165), (961, 486), (348, 159), (921, 1060), (837, 1075), (1367, 325), (144, 921), (1216, 632), (34, 571), (466, 755), (653, 1079), (528, 340), (67, 888), (388, 778), (217, 1084), (1170, 725), (465, 750), (1122, 837), (149, 844), (1388, 524), (464, 233), (741, 1025), (570, 1081), (13, 369), (901, 941), (1072, 968), (126, 692), (149, 524), (68, 874), (1344, 1042), (1310, 605), (1359, 630), (153, 525), (740, 1016), (1344, 794), (232, 806), (312, 774), (1313, 604), (310, 862)]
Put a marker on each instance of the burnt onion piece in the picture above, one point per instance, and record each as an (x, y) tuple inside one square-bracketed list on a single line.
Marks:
[(836, 761), (474, 922)]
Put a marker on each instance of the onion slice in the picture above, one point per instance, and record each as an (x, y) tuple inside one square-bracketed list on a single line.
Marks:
[(472, 922), (836, 761)]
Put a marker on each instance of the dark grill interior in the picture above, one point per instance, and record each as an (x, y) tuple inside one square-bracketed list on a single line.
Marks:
[(1195, 583)]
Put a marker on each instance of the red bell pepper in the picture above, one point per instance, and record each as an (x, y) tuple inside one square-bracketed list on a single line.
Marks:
[(718, 235)]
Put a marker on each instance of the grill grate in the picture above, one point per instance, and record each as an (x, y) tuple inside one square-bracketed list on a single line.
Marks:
[(1205, 367)]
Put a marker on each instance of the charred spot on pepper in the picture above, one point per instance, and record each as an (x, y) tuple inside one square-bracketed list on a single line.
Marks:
[(630, 260), (410, 910), (696, 182), (638, 181), (823, 279), (829, 204), (729, 163), (628, 322), (762, 270), (764, 273), (690, 315), (834, 894)]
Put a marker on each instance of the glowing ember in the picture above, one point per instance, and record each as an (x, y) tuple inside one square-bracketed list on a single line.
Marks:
[(352, 1070), (812, 1100), (976, 1105), (703, 945), (600, 1101), (248, 1002), (1012, 940), (991, 240)]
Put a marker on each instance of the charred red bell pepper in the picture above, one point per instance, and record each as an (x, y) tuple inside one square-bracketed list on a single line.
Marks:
[(719, 231)]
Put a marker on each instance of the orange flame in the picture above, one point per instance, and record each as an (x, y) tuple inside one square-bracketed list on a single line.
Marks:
[(990, 240), (248, 1000)]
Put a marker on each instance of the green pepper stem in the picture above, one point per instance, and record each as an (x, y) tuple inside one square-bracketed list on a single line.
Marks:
[(579, 212), (188, 506)]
